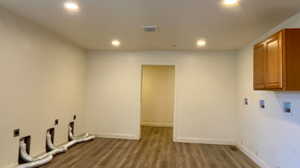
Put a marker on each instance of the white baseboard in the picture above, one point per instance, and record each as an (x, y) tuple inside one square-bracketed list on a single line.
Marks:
[(253, 157), (158, 124), (205, 141), (118, 136)]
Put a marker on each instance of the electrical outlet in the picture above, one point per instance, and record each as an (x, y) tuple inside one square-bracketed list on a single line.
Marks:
[(56, 122), (262, 104), (16, 132)]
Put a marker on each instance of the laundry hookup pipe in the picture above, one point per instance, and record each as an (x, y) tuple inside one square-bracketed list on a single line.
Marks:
[(47, 157), (37, 163), (50, 145), (75, 140), (40, 160), (32, 162)]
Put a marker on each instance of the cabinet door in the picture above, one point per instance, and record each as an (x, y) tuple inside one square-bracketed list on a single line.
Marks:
[(274, 52), (259, 66)]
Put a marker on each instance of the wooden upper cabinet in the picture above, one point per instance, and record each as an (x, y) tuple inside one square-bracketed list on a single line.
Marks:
[(259, 66), (277, 62), (273, 62)]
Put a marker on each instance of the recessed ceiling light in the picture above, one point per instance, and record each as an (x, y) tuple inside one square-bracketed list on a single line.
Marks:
[(71, 6), (116, 43), (201, 43), (230, 2)]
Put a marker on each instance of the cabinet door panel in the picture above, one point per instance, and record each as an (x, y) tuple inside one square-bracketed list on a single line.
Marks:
[(259, 66), (273, 65)]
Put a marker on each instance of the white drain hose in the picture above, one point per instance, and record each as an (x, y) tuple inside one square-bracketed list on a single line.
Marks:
[(24, 155), (50, 145), (76, 140), (36, 163), (49, 142), (47, 157), (40, 160), (79, 140), (32, 162)]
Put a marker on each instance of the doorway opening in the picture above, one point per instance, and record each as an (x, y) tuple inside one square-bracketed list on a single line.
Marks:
[(157, 98)]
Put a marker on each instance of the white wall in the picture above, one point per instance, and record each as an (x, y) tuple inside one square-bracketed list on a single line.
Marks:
[(205, 94), (157, 102), (268, 135), (42, 78)]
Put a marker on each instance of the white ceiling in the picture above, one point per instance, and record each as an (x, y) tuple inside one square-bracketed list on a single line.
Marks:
[(181, 22)]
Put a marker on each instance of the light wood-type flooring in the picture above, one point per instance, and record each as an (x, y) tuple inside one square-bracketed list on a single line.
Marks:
[(154, 150)]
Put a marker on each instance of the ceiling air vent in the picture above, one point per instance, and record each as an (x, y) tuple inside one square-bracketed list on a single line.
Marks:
[(150, 28)]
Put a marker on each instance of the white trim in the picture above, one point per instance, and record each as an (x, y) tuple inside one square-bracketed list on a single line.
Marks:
[(157, 124), (118, 136), (260, 162), (174, 123), (205, 141), (139, 114)]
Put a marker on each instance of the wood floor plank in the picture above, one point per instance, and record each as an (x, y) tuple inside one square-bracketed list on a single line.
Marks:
[(156, 149)]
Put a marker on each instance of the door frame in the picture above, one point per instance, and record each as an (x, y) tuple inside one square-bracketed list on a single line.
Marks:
[(140, 99)]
